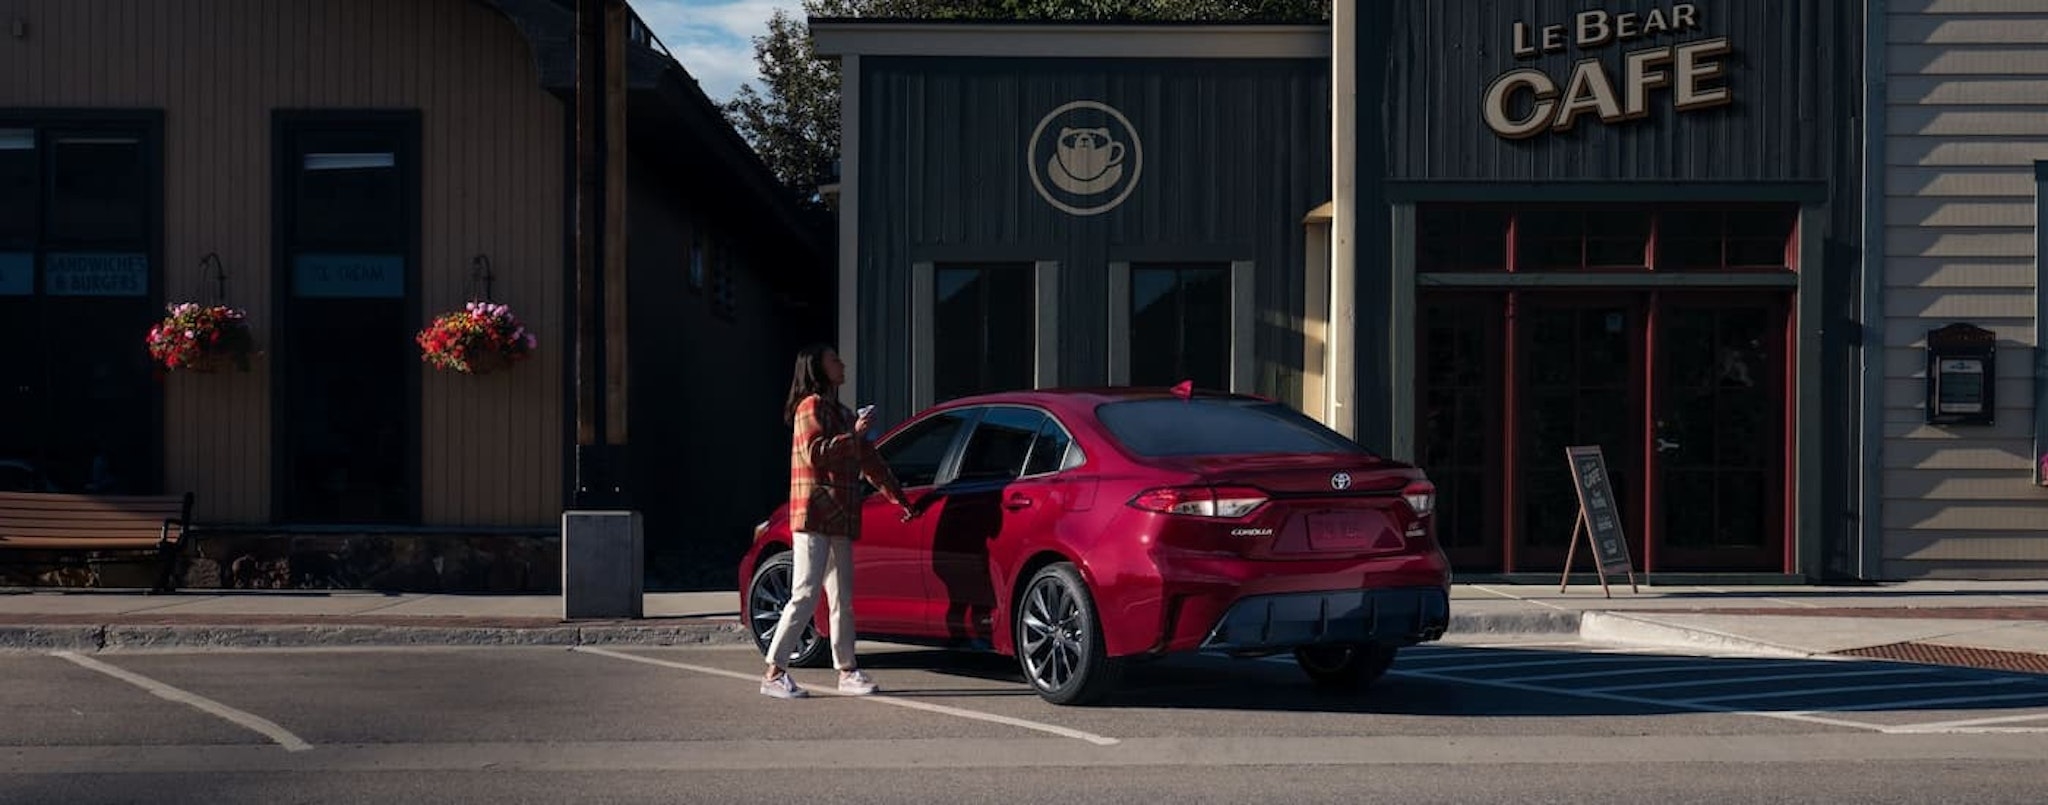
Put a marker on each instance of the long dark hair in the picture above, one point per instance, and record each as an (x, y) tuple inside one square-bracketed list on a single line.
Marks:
[(808, 379)]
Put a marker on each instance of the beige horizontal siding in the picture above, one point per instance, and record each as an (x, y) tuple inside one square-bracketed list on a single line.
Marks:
[(2008, 455), (1982, 272), (1972, 212), (1967, 116), (2005, 29), (1928, 242), (1974, 515), (1966, 60), (2014, 181), (2007, 158), (1956, 485), (1967, 121), (1959, 303), (1947, 91), (1969, 545), (1905, 7), (1974, 570)]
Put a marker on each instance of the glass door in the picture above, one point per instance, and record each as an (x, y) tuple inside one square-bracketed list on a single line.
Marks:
[(1578, 358), (1720, 446)]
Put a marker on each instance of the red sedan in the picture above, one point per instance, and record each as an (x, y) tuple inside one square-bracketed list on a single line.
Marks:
[(1077, 530)]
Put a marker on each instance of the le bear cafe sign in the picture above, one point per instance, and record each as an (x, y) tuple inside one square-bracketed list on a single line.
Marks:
[(1527, 102)]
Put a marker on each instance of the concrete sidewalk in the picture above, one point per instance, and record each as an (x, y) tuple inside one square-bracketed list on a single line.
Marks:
[(1984, 624)]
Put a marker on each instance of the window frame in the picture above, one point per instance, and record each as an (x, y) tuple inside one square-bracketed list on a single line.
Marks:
[(405, 127), (924, 321), (1242, 310), (1516, 257), (147, 126)]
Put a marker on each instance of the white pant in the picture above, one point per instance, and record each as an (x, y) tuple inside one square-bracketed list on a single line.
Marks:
[(818, 555)]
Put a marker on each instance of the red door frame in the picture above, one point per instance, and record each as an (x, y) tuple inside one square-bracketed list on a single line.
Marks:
[(1645, 505), (1779, 480)]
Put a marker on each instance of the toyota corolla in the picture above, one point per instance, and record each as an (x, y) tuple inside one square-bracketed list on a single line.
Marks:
[(1079, 530)]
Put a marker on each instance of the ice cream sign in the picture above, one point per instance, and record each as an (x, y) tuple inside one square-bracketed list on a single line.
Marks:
[(1527, 101)]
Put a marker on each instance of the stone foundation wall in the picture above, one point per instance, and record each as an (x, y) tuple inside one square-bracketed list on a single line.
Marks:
[(442, 563)]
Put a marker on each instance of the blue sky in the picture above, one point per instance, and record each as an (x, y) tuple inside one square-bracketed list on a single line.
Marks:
[(713, 38)]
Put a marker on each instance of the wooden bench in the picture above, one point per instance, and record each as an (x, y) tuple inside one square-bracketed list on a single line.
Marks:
[(39, 521)]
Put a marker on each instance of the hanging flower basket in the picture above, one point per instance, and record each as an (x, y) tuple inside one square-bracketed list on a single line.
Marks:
[(481, 338), (202, 338)]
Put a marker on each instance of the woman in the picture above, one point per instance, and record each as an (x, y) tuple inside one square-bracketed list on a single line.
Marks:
[(829, 453)]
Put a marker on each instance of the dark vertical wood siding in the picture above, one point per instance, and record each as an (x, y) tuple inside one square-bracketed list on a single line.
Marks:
[(492, 183), (1796, 75), (1786, 70), (1236, 152)]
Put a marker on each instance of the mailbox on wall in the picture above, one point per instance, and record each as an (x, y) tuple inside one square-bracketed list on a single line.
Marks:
[(1962, 375)]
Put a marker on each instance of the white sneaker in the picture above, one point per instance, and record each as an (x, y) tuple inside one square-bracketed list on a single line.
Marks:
[(783, 687), (857, 683)]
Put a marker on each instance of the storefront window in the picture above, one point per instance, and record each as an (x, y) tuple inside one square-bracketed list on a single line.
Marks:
[(349, 371), (984, 329), (1180, 325), (1467, 238), (77, 204)]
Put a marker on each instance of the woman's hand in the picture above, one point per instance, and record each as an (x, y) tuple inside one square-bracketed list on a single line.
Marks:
[(861, 423)]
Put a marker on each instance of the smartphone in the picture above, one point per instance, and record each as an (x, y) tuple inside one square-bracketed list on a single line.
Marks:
[(864, 410)]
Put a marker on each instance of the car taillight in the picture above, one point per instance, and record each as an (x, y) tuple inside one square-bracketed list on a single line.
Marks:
[(1421, 497), (1224, 502)]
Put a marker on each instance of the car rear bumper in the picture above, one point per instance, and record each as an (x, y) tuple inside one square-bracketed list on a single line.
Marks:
[(1286, 620)]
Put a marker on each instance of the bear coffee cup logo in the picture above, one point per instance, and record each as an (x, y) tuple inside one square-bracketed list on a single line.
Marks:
[(1686, 69), (1084, 158)]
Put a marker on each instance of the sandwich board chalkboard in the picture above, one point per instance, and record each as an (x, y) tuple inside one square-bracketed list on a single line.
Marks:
[(1598, 520)]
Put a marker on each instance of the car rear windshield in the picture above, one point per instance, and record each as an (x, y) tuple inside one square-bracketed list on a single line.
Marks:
[(1218, 426)]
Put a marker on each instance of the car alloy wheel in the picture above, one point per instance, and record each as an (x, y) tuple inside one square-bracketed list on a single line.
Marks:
[(1059, 641), (767, 595)]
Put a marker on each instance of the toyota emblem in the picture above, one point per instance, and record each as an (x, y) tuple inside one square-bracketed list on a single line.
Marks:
[(1340, 481)]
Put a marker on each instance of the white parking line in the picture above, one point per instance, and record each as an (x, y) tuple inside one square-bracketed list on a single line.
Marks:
[(268, 728), (1064, 732), (1773, 678), (1660, 669), (1944, 726), (1806, 717), (1853, 689), (1579, 659)]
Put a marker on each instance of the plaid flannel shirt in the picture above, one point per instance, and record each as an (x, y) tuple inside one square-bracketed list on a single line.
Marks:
[(826, 463)]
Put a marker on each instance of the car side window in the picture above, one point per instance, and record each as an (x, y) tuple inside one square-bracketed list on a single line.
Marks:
[(916, 454), (1052, 450), (1001, 442)]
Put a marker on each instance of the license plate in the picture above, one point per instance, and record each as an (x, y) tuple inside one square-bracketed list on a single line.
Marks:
[(1339, 531)]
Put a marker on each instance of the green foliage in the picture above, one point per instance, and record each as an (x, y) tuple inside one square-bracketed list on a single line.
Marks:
[(793, 123)]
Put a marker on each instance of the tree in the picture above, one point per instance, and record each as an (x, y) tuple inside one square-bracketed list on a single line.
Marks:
[(794, 123)]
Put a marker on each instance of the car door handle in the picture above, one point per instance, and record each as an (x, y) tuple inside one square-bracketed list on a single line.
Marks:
[(1017, 501)]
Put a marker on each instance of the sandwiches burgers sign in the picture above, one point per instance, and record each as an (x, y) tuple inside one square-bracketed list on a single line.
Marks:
[(1527, 102)]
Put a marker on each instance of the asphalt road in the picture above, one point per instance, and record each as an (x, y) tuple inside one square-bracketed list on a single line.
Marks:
[(1462, 722)]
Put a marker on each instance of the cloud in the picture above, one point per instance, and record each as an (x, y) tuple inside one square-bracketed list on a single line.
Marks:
[(714, 39)]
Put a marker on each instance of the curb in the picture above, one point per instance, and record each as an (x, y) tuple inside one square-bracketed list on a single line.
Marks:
[(147, 637), (1632, 630), (1501, 623)]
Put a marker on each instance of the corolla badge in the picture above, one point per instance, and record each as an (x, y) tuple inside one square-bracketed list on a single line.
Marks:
[(1341, 481), (1090, 155)]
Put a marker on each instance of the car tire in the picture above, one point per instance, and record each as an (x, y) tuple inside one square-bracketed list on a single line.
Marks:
[(767, 593), (1059, 639), (1345, 666)]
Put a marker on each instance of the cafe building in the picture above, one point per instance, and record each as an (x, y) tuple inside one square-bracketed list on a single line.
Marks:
[(1473, 235), (345, 171)]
